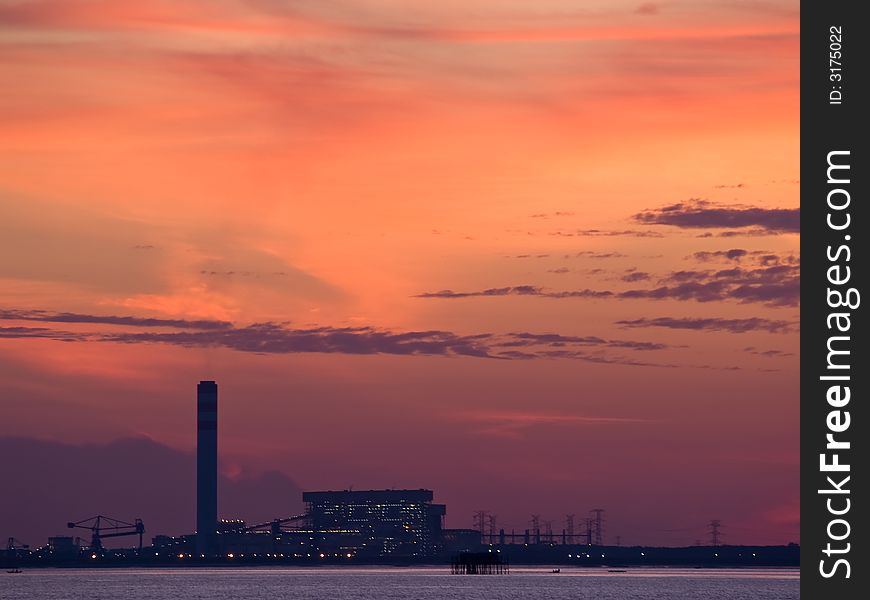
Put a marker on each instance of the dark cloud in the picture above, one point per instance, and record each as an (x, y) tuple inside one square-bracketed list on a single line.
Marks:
[(730, 186), (767, 353), (272, 338), (714, 324), (559, 271), (558, 213), (255, 274), (636, 276), (733, 233), (275, 338), (520, 290), (761, 257), (40, 332), (50, 317), (702, 214), (769, 260), (598, 358), (607, 233), (775, 286), (557, 340), (594, 254), (734, 254), (754, 232)]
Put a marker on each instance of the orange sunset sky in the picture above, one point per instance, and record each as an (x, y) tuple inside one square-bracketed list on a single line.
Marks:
[(541, 257)]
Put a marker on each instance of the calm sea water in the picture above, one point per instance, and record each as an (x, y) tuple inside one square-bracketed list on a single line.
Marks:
[(400, 584)]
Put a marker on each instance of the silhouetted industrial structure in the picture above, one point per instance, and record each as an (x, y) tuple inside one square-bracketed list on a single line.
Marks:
[(102, 527), (715, 534), (376, 522), (402, 525), (479, 563), (483, 522), (206, 466), (598, 521), (12, 545)]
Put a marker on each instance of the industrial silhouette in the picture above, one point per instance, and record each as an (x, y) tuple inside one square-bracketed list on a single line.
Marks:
[(361, 525), (206, 466)]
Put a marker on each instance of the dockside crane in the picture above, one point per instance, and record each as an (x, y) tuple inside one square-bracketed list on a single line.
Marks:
[(15, 549), (14, 544), (276, 526), (102, 527)]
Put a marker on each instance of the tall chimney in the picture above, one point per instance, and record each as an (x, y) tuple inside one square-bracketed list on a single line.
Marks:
[(206, 466)]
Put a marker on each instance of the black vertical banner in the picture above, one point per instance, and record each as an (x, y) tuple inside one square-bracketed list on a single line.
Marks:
[(834, 370)]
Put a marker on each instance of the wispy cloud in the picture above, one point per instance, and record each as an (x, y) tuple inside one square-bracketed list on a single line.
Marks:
[(519, 290), (557, 340), (594, 254), (233, 273), (775, 286), (714, 324), (761, 257), (633, 276), (53, 317), (767, 353), (272, 338), (734, 254), (608, 233), (558, 213), (734, 233), (515, 423), (703, 214), (281, 338), (41, 332)]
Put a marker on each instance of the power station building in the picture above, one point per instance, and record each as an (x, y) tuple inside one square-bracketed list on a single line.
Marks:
[(370, 524), (375, 523)]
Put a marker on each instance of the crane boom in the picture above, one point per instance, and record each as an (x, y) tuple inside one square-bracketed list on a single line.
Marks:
[(102, 526), (275, 524)]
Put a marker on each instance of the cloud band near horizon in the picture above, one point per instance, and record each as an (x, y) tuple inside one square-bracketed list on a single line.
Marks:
[(281, 338)]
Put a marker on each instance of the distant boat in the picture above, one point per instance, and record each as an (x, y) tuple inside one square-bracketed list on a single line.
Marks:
[(556, 571), (616, 571), (15, 571)]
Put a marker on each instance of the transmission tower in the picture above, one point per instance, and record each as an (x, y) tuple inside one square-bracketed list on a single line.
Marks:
[(715, 534), (536, 528), (569, 527), (548, 531), (479, 519), (599, 525)]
